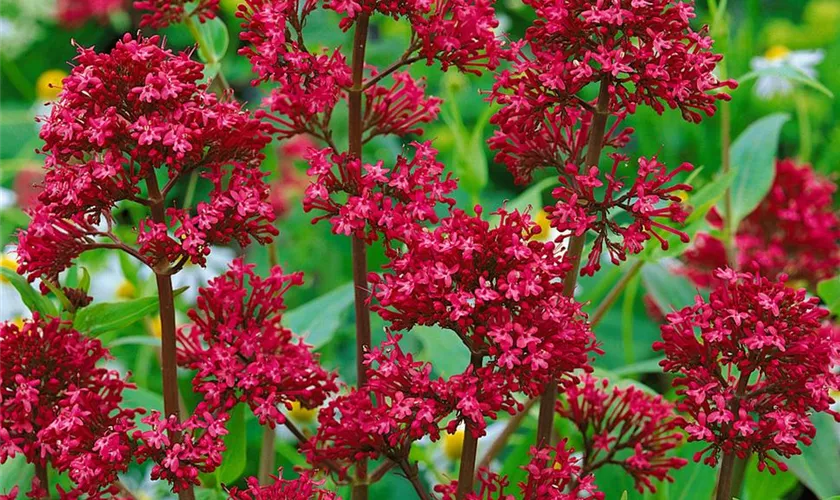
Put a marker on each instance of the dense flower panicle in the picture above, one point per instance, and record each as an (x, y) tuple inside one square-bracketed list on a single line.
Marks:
[(302, 488), (369, 200), (120, 117), (753, 363), (652, 197), (242, 352), (398, 109), (499, 289), (646, 49), (72, 13), (555, 473), (534, 133), (795, 230), (161, 13), (457, 33), (624, 419), (198, 450), (308, 85), (59, 408), (402, 403)]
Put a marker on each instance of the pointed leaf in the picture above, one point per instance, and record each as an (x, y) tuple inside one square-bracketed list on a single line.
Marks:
[(669, 290), (818, 464), (318, 319), (829, 291), (233, 458), (106, 317), (29, 295)]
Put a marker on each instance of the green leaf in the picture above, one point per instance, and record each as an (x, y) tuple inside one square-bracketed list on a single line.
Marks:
[(641, 367), (763, 485), (30, 296), (234, 459), (670, 291), (818, 464), (446, 362), (107, 317), (829, 292), (135, 340), (213, 40), (16, 472), (695, 481), (318, 319), (142, 398), (753, 158), (788, 72)]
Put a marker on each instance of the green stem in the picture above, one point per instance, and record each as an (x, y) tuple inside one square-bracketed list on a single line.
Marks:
[(205, 52), (627, 318), (806, 143)]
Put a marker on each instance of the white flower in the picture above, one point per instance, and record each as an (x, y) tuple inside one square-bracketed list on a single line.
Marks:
[(770, 85), (195, 276), (8, 198)]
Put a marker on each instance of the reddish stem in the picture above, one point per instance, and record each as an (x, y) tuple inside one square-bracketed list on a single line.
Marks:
[(359, 254), (593, 155), (166, 301), (466, 474)]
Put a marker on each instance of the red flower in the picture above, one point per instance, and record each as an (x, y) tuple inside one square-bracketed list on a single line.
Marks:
[(649, 199), (369, 200), (162, 13), (754, 362), (302, 488), (122, 116), (242, 352), (497, 288), (624, 419), (59, 408), (72, 13), (795, 230)]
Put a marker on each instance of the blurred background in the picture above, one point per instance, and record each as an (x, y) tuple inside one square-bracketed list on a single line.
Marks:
[(36, 51)]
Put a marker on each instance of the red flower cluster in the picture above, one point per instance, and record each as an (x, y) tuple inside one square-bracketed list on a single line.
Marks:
[(302, 488), (198, 449), (120, 117), (162, 13), (375, 200), (409, 405), (456, 33), (242, 352), (754, 362), (59, 408), (650, 197), (553, 474), (497, 288), (624, 419), (795, 230), (72, 13)]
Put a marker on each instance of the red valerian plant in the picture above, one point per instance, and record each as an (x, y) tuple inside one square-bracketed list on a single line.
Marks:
[(161, 13), (795, 231), (754, 363), (302, 488), (60, 409), (72, 13), (242, 353), (624, 419)]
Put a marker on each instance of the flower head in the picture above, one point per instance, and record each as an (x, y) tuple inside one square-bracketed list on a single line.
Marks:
[(242, 352), (51, 389), (73, 13), (161, 13), (800, 62), (753, 363), (302, 488), (498, 289), (624, 419), (122, 116), (802, 240)]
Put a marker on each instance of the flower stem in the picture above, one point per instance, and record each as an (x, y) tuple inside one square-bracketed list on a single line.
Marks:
[(410, 471), (43, 479), (619, 287), (724, 487), (267, 455), (593, 155), (166, 301), (359, 252), (466, 474)]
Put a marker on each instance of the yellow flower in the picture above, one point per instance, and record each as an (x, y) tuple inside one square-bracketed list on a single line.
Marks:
[(18, 322), (9, 262), (452, 444), (303, 415), (154, 327), (776, 52), (541, 219), (126, 290), (48, 85)]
